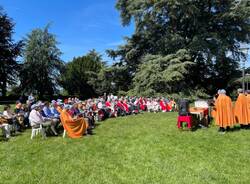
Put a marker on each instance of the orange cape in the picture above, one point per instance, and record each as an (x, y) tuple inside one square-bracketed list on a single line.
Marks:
[(223, 111), (248, 108), (75, 127), (241, 110)]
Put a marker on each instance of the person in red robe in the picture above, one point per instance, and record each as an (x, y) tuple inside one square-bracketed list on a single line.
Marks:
[(108, 104), (125, 105), (223, 113), (168, 107), (142, 104), (163, 105)]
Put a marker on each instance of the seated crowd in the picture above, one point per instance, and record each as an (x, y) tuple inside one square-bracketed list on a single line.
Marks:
[(75, 116)]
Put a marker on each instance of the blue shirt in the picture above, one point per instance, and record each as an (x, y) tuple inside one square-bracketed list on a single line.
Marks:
[(47, 112), (54, 112)]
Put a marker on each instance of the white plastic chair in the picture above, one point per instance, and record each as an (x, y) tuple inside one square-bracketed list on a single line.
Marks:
[(36, 130), (6, 130), (64, 133)]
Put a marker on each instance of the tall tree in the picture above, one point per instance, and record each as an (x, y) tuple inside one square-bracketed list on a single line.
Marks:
[(42, 64), (210, 30), (9, 52), (85, 76)]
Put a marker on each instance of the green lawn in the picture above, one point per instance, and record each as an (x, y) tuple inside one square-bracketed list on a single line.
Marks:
[(140, 149), (2, 106)]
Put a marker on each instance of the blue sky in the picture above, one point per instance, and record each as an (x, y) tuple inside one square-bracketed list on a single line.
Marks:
[(80, 25)]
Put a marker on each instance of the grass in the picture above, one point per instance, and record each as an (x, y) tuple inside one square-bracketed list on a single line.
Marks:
[(2, 106), (146, 148)]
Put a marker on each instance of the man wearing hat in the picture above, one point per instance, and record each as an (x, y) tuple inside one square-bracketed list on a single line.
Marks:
[(240, 109), (36, 118), (223, 111)]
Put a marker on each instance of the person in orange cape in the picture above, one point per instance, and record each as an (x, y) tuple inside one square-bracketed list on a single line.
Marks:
[(248, 106), (223, 111), (75, 128), (241, 109)]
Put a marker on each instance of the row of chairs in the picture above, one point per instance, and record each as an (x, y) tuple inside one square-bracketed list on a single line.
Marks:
[(35, 131)]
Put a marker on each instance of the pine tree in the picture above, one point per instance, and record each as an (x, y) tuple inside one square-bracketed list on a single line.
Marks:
[(42, 64), (9, 52)]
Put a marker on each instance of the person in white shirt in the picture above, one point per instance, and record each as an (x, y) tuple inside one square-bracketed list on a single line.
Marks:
[(99, 105), (149, 105), (5, 127), (36, 118), (11, 118), (7, 113), (156, 106)]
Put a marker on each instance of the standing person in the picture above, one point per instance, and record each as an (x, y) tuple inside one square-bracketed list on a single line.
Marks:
[(31, 99), (248, 107), (223, 111), (105, 97), (240, 109), (213, 103)]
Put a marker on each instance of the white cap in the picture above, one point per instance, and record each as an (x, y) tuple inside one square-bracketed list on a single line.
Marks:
[(222, 91), (40, 104), (60, 103), (240, 90), (34, 106)]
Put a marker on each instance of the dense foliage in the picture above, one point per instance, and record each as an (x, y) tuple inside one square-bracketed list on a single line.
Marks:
[(178, 47), (9, 52), (42, 64), (85, 76), (211, 31), (162, 74)]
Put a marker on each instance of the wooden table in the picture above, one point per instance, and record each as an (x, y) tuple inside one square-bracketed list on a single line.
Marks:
[(201, 113)]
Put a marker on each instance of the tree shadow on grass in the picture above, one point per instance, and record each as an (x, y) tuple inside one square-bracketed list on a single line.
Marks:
[(16, 134), (3, 139), (98, 124)]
